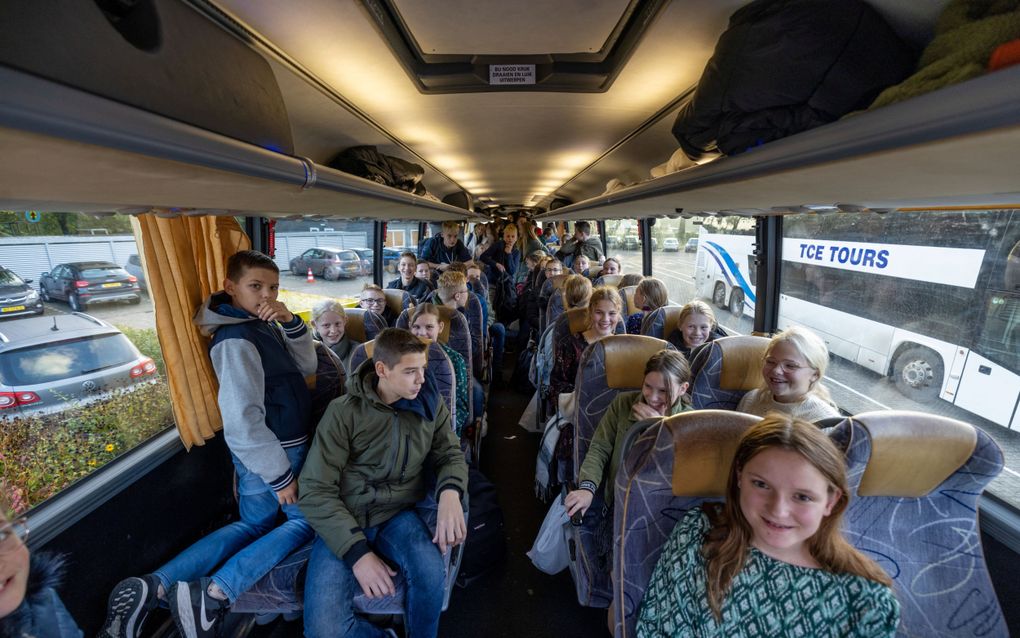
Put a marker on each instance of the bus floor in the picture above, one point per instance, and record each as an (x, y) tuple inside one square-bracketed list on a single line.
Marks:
[(513, 599)]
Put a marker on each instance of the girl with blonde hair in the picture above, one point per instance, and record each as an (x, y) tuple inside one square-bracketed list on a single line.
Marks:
[(695, 327), (792, 373), (771, 560), (650, 295)]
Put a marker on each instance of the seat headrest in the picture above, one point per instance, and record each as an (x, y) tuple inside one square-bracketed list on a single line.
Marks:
[(578, 319), (626, 356), (627, 294), (612, 281), (369, 348), (899, 465), (395, 299), (670, 319), (355, 328), (557, 281), (742, 357), (704, 442)]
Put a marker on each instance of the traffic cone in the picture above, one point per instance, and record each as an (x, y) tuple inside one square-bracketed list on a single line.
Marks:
[(311, 277)]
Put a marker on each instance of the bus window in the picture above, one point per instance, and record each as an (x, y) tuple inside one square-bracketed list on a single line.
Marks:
[(623, 243), (915, 310), (339, 255), (82, 379), (719, 267)]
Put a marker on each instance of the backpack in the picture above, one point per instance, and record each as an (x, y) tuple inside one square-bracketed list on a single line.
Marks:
[(485, 546), (504, 300)]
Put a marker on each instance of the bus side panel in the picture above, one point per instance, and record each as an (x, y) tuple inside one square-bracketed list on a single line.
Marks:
[(848, 336), (135, 532), (983, 378), (725, 260)]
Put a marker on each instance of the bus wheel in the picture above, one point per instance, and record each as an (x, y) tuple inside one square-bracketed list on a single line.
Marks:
[(737, 303), (917, 372), (719, 294)]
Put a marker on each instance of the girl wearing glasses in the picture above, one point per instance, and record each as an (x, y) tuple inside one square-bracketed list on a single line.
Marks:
[(792, 373), (29, 605)]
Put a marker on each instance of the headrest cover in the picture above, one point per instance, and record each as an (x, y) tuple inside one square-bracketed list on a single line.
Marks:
[(558, 280), (912, 453), (611, 280), (355, 323), (704, 442), (446, 314), (394, 299), (671, 319), (578, 319), (626, 357), (627, 294), (741, 361), (369, 348)]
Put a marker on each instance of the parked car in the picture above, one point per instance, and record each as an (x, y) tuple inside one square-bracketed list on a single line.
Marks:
[(367, 256), (134, 267), (691, 246), (671, 245), (16, 298), (50, 363), (85, 282), (328, 263)]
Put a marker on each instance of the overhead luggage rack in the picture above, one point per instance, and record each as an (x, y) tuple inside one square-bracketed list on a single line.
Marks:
[(952, 147), (68, 150)]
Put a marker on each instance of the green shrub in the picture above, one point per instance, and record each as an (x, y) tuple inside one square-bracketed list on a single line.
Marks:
[(146, 341), (41, 455)]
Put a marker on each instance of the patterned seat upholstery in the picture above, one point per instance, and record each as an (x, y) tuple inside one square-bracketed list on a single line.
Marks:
[(397, 300), (607, 368), (667, 467), (545, 294), (725, 369), (363, 325), (913, 509), (661, 322), (555, 307), (613, 281), (627, 294), (455, 333), (478, 330), (282, 589)]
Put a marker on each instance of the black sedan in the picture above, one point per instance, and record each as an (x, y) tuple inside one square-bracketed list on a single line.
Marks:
[(86, 282)]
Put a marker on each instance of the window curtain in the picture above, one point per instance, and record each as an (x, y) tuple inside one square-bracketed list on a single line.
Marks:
[(185, 261)]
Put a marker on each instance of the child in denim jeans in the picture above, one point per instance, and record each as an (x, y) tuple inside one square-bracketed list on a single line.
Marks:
[(265, 405), (365, 473)]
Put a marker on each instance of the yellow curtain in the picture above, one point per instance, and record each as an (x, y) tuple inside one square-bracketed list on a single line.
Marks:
[(185, 261)]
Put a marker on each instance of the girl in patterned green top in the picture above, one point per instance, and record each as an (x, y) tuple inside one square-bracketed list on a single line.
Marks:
[(771, 560), (425, 323)]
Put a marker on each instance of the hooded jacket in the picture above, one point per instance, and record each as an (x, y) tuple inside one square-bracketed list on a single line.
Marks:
[(590, 248), (369, 459), (41, 614), (263, 399)]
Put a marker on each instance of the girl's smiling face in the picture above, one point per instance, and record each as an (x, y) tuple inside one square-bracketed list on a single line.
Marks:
[(784, 499), (427, 327), (604, 317), (656, 393), (788, 374), (330, 327), (13, 568), (695, 330)]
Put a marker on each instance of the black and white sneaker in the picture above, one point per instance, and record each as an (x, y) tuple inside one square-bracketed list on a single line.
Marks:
[(195, 612), (129, 605)]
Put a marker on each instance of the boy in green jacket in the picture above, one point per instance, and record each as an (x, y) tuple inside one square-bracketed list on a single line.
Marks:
[(359, 486)]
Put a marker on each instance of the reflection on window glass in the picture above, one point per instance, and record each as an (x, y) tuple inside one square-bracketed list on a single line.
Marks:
[(81, 370), (321, 259), (921, 311)]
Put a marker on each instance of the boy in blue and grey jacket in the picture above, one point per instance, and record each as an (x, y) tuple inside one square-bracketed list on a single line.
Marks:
[(261, 353)]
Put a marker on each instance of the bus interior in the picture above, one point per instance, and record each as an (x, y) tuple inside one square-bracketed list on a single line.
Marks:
[(132, 128)]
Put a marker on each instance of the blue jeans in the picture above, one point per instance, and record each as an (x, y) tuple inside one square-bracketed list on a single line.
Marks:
[(252, 546), (498, 344), (330, 585), (478, 397)]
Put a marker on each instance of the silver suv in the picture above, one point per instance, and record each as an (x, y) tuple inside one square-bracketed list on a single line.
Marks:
[(48, 364)]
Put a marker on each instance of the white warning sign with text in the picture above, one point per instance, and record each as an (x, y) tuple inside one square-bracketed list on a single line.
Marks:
[(511, 74)]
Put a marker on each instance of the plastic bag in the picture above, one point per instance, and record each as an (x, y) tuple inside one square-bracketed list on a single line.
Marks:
[(550, 553)]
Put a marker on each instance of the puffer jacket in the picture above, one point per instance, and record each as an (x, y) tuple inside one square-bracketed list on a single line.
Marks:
[(41, 614), (369, 459)]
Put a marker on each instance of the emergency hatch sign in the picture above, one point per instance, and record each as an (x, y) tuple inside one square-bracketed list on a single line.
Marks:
[(511, 74)]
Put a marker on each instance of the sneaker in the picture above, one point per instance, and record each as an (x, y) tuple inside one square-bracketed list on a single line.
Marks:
[(129, 605), (196, 614)]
